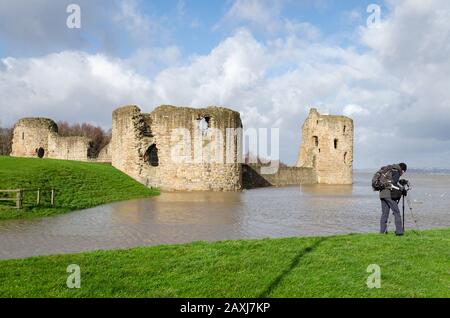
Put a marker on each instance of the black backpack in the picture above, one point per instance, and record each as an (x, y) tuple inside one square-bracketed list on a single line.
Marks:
[(382, 178)]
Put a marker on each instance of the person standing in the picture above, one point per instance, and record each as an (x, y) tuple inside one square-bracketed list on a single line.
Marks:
[(387, 203)]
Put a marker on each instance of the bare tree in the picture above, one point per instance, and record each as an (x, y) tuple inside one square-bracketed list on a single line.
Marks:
[(250, 158), (6, 135), (96, 134)]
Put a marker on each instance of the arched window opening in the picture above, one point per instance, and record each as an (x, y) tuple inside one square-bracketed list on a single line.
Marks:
[(40, 152), (151, 156), (316, 141), (335, 143), (23, 135), (344, 128)]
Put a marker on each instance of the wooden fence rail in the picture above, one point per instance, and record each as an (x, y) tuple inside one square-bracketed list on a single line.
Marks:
[(19, 195)]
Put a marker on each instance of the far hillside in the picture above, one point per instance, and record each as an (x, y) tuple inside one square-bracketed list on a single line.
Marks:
[(78, 185)]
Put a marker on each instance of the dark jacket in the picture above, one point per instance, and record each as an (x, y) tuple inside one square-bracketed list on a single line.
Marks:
[(386, 193)]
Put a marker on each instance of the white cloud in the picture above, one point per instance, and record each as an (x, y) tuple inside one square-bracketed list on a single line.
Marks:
[(142, 28), (71, 86), (263, 14), (355, 110), (150, 61), (301, 29), (353, 15), (232, 67), (267, 16), (413, 46)]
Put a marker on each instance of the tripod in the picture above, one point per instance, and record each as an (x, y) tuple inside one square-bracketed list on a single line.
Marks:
[(408, 201), (403, 211)]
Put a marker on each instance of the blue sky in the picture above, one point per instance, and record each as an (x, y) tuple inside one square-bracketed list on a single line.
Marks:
[(192, 25), (270, 60)]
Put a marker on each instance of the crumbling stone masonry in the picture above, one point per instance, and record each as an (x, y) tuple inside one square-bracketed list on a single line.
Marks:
[(182, 148), (175, 148), (285, 176), (38, 137), (327, 147)]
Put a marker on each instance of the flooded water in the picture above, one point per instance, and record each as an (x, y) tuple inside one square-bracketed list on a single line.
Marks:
[(259, 213)]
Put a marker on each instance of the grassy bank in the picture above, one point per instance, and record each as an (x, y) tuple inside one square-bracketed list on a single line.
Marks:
[(411, 266), (79, 185)]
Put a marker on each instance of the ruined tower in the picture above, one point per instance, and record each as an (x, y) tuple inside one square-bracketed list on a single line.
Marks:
[(178, 148), (327, 147), (30, 137), (38, 137)]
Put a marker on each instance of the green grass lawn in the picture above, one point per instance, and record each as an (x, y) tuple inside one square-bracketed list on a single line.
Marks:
[(79, 185), (416, 265)]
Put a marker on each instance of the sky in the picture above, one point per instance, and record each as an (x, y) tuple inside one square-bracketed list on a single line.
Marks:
[(270, 60)]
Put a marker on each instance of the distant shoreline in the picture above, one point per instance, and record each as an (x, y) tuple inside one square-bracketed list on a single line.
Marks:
[(432, 171)]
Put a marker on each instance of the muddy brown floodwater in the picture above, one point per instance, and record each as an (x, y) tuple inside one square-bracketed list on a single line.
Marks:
[(211, 216)]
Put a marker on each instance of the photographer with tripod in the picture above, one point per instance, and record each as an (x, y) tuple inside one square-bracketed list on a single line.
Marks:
[(386, 181)]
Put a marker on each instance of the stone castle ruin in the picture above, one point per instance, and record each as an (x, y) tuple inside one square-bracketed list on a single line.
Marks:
[(327, 147), (182, 148), (38, 137), (178, 148)]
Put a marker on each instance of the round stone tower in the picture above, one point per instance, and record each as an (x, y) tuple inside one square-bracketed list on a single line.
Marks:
[(30, 137), (179, 148)]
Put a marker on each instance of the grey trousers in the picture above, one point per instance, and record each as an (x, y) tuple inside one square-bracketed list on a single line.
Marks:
[(386, 206)]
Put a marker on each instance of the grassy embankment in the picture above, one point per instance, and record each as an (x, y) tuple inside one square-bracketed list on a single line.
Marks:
[(79, 185), (411, 266)]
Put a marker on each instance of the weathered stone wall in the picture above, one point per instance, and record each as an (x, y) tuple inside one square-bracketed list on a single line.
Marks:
[(31, 134), (327, 147), (68, 148), (38, 137), (126, 143), (105, 154), (196, 162), (285, 176)]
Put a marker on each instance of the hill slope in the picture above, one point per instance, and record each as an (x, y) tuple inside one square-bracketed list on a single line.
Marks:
[(79, 185)]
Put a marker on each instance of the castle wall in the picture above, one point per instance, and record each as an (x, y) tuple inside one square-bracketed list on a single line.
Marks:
[(38, 137), (285, 176), (105, 154), (327, 147), (127, 146), (68, 148), (190, 157)]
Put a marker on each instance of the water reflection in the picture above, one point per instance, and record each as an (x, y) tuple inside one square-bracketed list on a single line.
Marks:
[(327, 190), (185, 217)]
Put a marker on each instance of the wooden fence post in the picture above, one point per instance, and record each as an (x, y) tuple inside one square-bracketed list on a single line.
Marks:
[(53, 197), (19, 199), (38, 200)]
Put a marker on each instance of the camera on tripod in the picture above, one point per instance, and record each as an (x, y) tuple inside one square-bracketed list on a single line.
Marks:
[(406, 186)]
